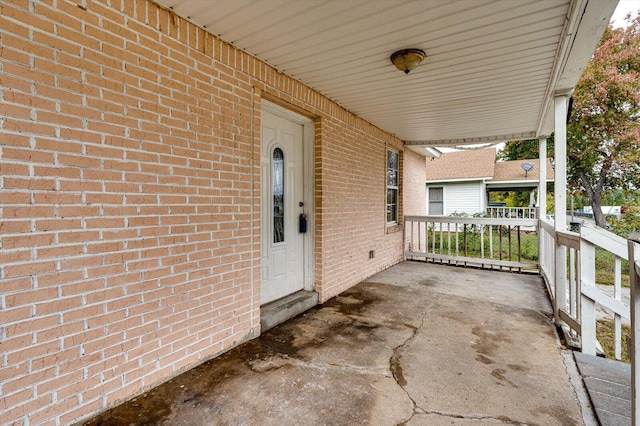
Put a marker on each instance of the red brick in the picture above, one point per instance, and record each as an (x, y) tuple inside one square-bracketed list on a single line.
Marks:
[(27, 269)]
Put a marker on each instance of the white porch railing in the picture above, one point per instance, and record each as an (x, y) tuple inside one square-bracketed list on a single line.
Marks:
[(512, 212), (566, 262), (484, 242), (578, 315)]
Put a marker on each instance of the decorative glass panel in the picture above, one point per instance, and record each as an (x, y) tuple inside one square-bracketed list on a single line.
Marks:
[(277, 178)]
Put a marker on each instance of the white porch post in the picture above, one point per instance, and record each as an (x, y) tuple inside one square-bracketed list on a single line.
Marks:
[(560, 201), (542, 180), (634, 273), (541, 211)]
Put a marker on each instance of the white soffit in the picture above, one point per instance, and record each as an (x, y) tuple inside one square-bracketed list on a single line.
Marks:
[(491, 70)]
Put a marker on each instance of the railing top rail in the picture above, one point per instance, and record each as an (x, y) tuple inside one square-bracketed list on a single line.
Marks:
[(569, 239), (605, 239), (473, 220), (547, 225)]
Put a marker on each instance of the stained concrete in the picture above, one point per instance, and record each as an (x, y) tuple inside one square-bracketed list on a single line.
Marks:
[(418, 344)]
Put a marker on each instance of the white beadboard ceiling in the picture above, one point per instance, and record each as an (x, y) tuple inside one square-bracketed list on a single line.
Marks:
[(491, 70)]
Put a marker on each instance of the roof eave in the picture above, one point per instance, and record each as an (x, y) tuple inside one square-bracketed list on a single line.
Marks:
[(585, 24)]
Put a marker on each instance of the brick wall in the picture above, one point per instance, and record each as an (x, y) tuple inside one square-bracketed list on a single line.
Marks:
[(129, 226), (415, 195)]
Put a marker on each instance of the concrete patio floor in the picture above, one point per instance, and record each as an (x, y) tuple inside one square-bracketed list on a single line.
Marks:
[(417, 344)]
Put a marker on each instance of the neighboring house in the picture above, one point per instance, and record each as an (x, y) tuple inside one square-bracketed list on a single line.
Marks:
[(460, 181), (156, 158)]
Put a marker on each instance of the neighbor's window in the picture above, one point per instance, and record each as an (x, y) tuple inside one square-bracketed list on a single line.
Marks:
[(393, 165), (436, 201)]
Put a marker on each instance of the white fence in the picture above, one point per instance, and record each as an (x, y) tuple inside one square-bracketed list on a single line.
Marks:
[(569, 269), (512, 212), (484, 242)]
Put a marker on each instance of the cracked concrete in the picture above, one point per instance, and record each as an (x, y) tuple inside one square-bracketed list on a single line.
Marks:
[(417, 344)]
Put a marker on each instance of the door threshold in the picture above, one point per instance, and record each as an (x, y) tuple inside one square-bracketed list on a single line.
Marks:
[(278, 311)]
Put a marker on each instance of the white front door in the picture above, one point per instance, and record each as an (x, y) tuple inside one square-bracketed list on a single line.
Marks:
[(282, 185)]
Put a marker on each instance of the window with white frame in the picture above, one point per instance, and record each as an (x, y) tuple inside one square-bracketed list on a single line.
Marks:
[(393, 172), (436, 201)]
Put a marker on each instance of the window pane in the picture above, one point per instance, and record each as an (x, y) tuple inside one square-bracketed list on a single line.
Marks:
[(436, 194), (392, 160), (436, 208), (436, 201), (392, 178), (392, 168), (392, 205), (277, 177)]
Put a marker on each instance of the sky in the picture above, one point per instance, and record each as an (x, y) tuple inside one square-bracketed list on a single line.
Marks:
[(624, 7)]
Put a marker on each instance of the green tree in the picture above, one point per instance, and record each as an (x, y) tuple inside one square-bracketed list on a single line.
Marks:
[(603, 130), (524, 150)]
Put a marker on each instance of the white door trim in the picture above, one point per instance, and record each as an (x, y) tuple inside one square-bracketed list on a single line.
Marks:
[(308, 139)]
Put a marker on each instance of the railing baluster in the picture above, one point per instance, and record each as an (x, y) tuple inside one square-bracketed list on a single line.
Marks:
[(500, 242), (464, 240), (509, 240), (449, 239), (588, 309), (457, 242), (426, 236), (433, 238), (573, 294), (519, 248), (481, 241), (441, 251)]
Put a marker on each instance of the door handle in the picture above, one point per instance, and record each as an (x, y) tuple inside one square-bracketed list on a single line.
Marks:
[(302, 223)]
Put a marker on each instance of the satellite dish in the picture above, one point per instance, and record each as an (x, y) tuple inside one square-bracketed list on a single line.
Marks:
[(527, 167)]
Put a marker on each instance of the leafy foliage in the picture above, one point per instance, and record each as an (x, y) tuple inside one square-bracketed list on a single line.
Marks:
[(628, 223), (604, 127), (524, 150)]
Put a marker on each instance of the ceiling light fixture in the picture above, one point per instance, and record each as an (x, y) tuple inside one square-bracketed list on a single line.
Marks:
[(408, 59)]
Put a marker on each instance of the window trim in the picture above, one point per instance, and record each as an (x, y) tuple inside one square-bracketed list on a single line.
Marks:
[(429, 188), (395, 188)]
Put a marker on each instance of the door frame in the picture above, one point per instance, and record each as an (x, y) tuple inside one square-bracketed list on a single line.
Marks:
[(308, 160)]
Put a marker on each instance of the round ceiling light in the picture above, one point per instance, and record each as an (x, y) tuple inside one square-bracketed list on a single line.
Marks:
[(408, 59)]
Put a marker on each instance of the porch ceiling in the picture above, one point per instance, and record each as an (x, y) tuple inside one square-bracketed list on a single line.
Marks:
[(491, 70)]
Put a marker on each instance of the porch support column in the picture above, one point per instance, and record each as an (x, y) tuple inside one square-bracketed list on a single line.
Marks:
[(560, 201), (542, 180), (541, 204)]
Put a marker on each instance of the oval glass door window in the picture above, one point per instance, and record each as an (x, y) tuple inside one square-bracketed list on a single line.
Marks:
[(277, 178)]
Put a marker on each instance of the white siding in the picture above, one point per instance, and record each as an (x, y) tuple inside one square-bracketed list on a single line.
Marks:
[(465, 197)]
